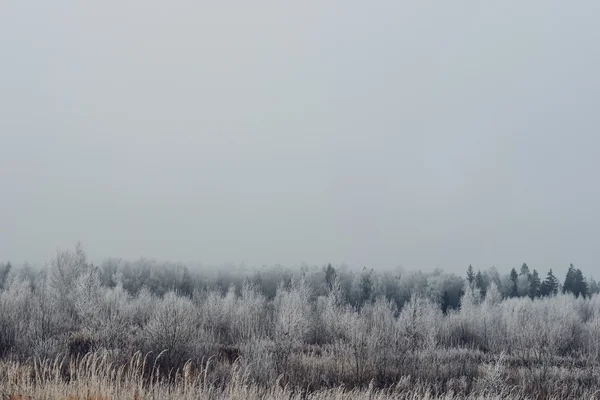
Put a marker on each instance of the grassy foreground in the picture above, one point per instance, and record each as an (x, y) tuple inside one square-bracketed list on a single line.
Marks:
[(95, 377)]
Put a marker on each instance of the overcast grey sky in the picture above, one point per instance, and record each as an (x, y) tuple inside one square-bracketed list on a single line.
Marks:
[(418, 133)]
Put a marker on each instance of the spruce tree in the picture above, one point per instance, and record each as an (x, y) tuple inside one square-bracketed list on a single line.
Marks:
[(470, 275), (580, 285), (524, 270), (480, 282), (569, 285), (550, 285), (445, 302), (534, 284), (329, 276), (366, 284), (514, 279)]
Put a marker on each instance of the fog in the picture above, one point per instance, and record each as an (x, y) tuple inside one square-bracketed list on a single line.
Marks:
[(423, 134)]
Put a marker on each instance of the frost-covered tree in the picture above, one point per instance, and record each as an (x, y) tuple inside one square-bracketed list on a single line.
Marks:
[(464, 326), (492, 330), (64, 271), (115, 318), (332, 312), (493, 276), (533, 336), (418, 323), (493, 297), (15, 312), (88, 295), (173, 328), (293, 319), (249, 317)]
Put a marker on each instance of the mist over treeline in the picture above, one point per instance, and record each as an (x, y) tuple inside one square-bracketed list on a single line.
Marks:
[(360, 285)]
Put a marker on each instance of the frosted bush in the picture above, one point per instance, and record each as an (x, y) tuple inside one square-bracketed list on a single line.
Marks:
[(418, 323), (293, 318)]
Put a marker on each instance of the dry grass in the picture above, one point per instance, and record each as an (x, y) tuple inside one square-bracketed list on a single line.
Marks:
[(95, 377)]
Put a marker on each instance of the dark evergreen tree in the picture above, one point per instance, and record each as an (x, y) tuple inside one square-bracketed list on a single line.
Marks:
[(187, 283), (366, 284), (580, 285), (481, 282), (550, 285), (470, 275), (445, 302), (569, 285), (534, 285), (524, 270), (329, 276), (514, 279)]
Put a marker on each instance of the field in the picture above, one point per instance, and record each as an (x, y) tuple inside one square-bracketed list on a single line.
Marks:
[(67, 333), (94, 377)]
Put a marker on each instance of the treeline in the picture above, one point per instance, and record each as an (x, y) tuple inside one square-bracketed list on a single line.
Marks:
[(527, 282), (360, 286)]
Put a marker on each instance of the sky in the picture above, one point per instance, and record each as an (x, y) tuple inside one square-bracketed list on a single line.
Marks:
[(425, 134)]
